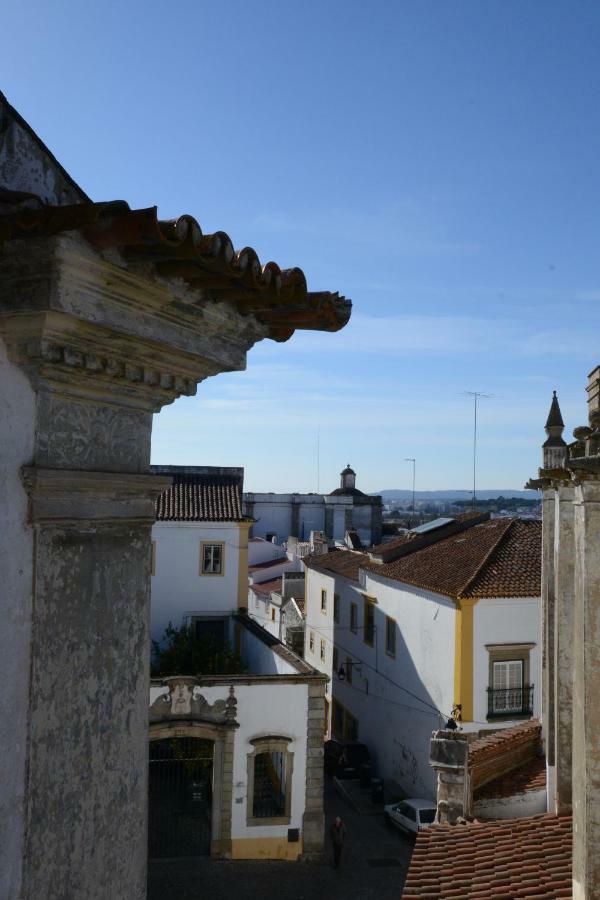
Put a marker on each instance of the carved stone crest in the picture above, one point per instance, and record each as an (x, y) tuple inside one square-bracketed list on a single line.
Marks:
[(184, 699)]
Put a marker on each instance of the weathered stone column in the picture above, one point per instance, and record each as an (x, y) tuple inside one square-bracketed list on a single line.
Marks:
[(89, 350), (313, 822), (548, 652), (564, 612), (449, 756), (586, 686)]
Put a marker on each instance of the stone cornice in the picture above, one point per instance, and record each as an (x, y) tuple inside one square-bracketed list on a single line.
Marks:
[(87, 326), (62, 495)]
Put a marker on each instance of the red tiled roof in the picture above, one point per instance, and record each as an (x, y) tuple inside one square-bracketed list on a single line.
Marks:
[(178, 248), (502, 740), (268, 563), (265, 587), (201, 498), (498, 558), (529, 777), (338, 562), (402, 539), (529, 857)]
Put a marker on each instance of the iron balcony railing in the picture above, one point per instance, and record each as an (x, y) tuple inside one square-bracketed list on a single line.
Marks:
[(504, 702)]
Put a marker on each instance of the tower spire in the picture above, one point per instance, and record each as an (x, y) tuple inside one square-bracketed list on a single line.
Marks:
[(554, 448)]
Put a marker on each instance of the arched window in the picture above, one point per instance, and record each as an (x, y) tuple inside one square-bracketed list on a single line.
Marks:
[(270, 767)]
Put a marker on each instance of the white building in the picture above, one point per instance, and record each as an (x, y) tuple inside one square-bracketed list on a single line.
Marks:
[(277, 516), (451, 628), (199, 548), (239, 756)]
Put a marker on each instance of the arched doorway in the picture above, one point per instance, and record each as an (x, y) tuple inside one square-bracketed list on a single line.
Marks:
[(180, 797)]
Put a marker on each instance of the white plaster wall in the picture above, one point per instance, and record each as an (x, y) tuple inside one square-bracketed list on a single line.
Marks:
[(530, 803), (321, 624), (263, 709), (260, 659), (259, 609), (507, 620), (273, 514), (396, 724), (17, 427), (260, 551), (177, 588)]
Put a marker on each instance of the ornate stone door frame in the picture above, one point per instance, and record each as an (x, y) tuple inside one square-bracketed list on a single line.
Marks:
[(222, 737)]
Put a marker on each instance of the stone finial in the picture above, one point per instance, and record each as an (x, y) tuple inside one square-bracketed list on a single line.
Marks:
[(231, 705), (554, 448)]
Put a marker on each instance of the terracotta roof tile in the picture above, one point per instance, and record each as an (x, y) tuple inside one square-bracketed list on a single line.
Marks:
[(504, 739), (338, 562), (529, 777), (201, 498), (529, 857), (178, 248), (265, 587), (498, 558)]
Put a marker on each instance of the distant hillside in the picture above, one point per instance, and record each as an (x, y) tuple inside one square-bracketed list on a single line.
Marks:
[(400, 494)]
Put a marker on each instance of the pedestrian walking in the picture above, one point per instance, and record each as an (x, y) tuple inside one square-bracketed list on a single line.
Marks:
[(338, 835)]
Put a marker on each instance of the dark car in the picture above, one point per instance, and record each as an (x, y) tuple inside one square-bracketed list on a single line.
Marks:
[(346, 759)]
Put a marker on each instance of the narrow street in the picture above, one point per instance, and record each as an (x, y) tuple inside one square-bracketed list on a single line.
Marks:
[(374, 865)]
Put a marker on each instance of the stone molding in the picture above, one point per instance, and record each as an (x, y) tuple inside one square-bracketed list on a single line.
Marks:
[(61, 495), (92, 324), (184, 700)]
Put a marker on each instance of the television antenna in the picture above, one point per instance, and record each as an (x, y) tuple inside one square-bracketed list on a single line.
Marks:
[(476, 395)]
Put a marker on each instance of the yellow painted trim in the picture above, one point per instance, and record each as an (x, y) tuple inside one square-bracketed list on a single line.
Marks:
[(243, 565), (265, 848), (463, 657)]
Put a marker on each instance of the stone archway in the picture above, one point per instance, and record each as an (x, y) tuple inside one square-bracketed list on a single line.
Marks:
[(222, 772), (183, 712)]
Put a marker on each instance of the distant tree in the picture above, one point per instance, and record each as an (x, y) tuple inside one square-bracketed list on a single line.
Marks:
[(181, 651)]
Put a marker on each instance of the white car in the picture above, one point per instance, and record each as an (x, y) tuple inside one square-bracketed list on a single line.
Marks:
[(410, 815)]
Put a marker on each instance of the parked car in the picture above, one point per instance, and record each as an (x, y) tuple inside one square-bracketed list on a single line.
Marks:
[(344, 759), (410, 815)]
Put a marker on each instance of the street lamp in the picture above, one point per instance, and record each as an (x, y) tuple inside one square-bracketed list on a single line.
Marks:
[(414, 465)]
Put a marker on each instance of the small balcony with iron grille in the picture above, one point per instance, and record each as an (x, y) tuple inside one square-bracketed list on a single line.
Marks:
[(510, 703)]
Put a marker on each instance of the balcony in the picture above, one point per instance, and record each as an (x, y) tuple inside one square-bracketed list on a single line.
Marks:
[(510, 703)]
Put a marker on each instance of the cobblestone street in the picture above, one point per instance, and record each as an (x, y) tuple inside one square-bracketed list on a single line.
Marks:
[(374, 865)]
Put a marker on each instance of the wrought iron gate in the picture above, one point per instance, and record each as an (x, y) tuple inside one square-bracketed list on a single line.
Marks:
[(180, 784)]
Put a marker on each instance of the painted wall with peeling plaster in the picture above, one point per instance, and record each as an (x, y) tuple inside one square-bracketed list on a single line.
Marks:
[(17, 427)]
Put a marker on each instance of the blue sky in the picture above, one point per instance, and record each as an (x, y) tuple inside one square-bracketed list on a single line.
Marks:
[(437, 162)]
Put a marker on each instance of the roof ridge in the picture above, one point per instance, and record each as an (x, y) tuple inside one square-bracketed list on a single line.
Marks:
[(461, 593)]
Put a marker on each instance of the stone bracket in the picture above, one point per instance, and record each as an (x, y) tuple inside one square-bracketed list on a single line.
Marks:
[(60, 495)]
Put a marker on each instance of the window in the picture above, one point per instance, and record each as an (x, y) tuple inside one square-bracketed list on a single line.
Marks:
[(509, 693), (323, 651), (349, 669), (353, 617), (256, 601), (153, 559), (326, 715), (311, 642), (323, 601), (270, 768), (390, 636), (270, 536), (211, 559), (507, 686), (336, 660), (344, 727), (273, 614), (369, 624), (336, 607)]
